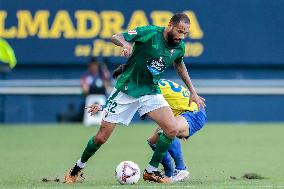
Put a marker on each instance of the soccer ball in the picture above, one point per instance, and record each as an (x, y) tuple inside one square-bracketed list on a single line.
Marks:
[(127, 172)]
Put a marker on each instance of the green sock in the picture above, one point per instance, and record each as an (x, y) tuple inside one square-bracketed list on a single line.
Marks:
[(90, 150), (162, 146)]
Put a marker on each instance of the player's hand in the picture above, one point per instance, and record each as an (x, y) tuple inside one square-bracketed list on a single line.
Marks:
[(94, 108), (200, 101), (126, 50)]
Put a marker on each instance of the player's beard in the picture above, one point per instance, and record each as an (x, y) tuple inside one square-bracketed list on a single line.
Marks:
[(171, 40)]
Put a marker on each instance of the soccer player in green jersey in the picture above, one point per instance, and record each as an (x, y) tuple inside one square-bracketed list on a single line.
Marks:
[(154, 49)]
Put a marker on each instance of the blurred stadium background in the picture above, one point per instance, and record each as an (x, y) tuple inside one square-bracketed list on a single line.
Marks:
[(235, 55)]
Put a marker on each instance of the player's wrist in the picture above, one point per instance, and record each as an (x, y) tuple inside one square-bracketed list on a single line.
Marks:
[(191, 89), (125, 44)]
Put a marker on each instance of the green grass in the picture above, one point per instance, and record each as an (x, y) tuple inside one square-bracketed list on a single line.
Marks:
[(29, 153)]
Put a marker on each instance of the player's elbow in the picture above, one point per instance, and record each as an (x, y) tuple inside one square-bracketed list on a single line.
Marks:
[(115, 38)]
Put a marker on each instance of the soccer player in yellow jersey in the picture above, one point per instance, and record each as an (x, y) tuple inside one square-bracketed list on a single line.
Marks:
[(188, 118)]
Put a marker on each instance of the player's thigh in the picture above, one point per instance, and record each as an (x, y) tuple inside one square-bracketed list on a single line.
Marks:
[(157, 109), (164, 117)]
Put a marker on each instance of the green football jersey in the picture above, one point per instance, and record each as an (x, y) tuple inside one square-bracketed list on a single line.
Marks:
[(150, 57)]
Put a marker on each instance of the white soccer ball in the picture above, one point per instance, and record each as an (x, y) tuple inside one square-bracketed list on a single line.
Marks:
[(127, 172)]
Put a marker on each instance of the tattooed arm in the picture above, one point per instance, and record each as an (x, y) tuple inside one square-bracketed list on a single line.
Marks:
[(119, 40)]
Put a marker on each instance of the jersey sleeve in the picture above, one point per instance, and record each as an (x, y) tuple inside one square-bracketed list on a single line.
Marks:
[(181, 54), (140, 34)]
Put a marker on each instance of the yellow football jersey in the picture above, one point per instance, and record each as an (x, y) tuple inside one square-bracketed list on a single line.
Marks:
[(177, 96)]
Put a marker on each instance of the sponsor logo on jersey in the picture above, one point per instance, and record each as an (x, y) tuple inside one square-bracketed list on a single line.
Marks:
[(156, 65)]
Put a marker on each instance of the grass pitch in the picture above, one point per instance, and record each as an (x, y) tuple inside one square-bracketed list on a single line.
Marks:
[(218, 156)]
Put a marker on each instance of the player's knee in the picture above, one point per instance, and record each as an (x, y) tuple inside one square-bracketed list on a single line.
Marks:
[(171, 130), (100, 139)]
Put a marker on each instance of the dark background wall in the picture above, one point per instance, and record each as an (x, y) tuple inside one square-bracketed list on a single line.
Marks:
[(240, 40)]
